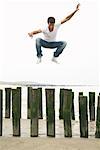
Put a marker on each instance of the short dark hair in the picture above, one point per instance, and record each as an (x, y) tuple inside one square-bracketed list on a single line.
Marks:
[(51, 20)]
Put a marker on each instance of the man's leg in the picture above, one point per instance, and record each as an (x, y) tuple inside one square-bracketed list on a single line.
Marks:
[(60, 47), (38, 47), (40, 43)]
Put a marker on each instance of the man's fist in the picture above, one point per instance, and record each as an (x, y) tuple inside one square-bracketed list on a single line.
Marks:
[(77, 7), (30, 34)]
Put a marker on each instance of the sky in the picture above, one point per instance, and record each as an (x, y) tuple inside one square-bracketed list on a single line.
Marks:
[(79, 62)]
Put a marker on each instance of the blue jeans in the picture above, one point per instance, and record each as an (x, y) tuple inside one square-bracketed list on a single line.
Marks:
[(42, 43)]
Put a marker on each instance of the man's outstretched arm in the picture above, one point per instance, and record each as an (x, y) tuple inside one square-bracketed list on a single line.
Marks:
[(71, 15), (34, 32)]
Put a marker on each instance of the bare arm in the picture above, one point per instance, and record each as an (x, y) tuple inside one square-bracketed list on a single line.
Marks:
[(34, 32), (71, 15)]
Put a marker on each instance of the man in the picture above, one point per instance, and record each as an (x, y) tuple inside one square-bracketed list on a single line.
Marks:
[(49, 40)]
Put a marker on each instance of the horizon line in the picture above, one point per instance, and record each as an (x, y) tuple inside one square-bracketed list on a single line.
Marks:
[(32, 83)]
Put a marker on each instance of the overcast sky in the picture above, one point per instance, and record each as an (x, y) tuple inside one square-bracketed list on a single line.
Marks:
[(79, 62)]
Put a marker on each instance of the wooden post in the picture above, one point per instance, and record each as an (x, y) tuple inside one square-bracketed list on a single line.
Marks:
[(29, 93), (61, 105), (7, 102), (61, 97), (80, 94), (92, 105), (20, 94), (67, 112), (40, 102), (16, 112), (1, 107), (73, 112), (50, 111), (34, 107), (83, 116), (97, 134)]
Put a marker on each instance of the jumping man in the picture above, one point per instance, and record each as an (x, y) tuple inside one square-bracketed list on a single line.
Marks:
[(49, 40)]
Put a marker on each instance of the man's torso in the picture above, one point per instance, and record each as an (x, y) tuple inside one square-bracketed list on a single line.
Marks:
[(51, 36)]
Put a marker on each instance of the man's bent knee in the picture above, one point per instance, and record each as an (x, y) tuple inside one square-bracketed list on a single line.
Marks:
[(38, 41), (64, 44)]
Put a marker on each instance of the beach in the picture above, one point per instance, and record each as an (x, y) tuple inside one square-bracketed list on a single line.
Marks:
[(42, 142)]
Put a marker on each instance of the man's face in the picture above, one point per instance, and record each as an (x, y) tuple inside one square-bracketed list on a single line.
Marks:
[(51, 26)]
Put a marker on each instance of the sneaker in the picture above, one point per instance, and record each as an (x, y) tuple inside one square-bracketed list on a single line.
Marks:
[(39, 60), (54, 59)]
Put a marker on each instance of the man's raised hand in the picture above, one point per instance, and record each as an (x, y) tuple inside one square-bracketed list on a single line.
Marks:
[(77, 7)]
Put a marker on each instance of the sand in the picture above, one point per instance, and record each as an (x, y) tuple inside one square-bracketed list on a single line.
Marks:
[(13, 143)]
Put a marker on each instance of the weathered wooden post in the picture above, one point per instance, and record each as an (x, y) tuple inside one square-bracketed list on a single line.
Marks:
[(61, 96), (39, 94), (83, 116), (92, 105), (34, 109), (16, 112), (20, 94), (73, 112), (1, 107), (50, 111), (29, 93), (80, 94), (67, 112), (7, 102), (97, 134)]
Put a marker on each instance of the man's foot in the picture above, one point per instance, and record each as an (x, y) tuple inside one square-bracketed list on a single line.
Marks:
[(39, 60), (54, 59)]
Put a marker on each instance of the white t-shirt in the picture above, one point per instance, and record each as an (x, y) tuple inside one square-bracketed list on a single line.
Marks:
[(51, 36)]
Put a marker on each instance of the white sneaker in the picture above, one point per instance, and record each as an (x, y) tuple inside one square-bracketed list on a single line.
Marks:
[(39, 60), (54, 59)]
